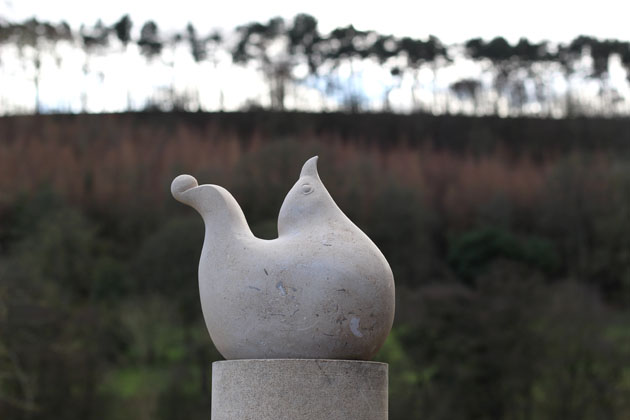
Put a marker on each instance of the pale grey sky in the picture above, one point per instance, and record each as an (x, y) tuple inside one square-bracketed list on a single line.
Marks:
[(450, 20)]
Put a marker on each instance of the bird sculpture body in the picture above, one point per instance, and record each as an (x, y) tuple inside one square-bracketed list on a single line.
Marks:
[(321, 290)]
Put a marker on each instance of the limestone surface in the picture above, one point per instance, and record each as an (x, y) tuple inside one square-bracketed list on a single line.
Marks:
[(321, 290), (299, 390)]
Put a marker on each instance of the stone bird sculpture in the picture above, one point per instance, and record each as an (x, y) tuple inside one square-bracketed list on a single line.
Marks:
[(321, 290)]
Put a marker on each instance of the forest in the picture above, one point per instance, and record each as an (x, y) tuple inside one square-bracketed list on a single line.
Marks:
[(291, 64), (509, 239)]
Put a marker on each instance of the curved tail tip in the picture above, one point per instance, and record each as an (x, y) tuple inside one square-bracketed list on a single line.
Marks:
[(181, 184), (310, 167)]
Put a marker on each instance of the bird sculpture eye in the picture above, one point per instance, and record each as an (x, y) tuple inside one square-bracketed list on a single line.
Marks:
[(307, 189)]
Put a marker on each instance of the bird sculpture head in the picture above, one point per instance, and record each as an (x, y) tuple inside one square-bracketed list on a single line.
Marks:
[(308, 203)]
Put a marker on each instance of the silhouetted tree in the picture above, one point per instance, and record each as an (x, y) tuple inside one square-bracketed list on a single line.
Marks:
[(198, 51), (267, 43), (94, 41), (512, 67), (197, 46), (383, 49), (535, 61), (601, 51), (417, 53), (344, 46), (5, 36), (150, 43), (467, 90), (151, 46), (572, 57), (213, 45), (304, 38), (123, 30), (498, 51), (34, 39)]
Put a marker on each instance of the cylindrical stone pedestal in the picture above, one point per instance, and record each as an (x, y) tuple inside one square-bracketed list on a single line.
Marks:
[(299, 389)]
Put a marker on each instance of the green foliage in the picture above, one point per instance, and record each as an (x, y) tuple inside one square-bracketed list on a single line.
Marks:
[(153, 269), (55, 335), (583, 354), (471, 252)]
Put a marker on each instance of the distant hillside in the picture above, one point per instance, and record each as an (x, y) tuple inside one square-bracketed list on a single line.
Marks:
[(479, 135), (508, 240)]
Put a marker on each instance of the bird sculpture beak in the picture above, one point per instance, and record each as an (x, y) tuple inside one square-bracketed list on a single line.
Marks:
[(310, 168)]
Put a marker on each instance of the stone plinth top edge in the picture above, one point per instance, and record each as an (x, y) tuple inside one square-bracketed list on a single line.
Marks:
[(284, 361)]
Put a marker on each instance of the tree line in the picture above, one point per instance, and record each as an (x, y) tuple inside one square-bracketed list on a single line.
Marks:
[(294, 58)]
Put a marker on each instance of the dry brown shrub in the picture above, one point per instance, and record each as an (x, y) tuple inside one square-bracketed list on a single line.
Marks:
[(112, 160)]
